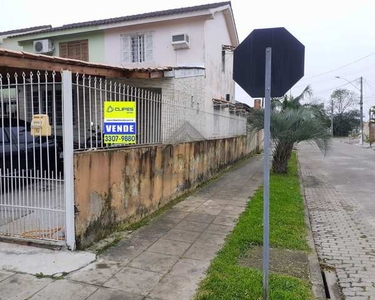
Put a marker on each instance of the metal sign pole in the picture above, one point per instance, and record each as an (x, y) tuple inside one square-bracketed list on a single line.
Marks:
[(266, 173)]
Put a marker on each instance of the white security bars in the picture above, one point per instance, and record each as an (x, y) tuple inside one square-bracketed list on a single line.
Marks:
[(159, 118), (31, 167)]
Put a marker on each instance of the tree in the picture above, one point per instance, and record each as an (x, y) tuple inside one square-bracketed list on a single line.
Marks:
[(343, 100), (319, 111), (345, 118), (345, 122), (288, 127)]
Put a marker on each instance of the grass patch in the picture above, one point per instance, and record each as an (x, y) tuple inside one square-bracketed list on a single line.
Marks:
[(54, 277), (226, 279)]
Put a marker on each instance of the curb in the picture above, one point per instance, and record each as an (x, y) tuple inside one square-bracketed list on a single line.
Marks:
[(315, 271)]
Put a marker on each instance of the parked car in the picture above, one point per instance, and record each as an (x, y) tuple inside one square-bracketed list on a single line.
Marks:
[(35, 155)]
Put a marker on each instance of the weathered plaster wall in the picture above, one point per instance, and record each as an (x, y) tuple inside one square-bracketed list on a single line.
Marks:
[(125, 185)]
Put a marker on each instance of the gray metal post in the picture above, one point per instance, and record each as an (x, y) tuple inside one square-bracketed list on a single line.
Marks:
[(361, 110), (68, 158), (266, 173), (331, 116)]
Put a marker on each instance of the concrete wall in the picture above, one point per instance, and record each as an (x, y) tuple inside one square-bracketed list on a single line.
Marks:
[(126, 185)]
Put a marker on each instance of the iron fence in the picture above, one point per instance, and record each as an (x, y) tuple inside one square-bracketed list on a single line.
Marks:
[(159, 118), (32, 203)]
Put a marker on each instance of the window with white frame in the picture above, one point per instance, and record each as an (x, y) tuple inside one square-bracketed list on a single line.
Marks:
[(137, 48)]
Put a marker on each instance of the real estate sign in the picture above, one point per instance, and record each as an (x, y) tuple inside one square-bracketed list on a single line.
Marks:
[(120, 125)]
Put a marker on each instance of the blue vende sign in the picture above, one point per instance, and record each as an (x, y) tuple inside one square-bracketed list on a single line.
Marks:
[(120, 128)]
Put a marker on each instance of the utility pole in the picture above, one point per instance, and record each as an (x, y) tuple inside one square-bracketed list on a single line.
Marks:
[(361, 110), (331, 116)]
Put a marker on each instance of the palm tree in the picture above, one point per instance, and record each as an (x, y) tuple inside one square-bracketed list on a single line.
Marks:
[(288, 127), (291, 102)]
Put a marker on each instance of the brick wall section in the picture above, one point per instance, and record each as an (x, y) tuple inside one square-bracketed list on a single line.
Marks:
[(126, 185), (257, 103)]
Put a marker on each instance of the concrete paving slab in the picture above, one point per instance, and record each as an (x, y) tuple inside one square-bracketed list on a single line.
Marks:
[(64, 289), (190, 267), (134, 281), (97, 272), (182, 235), (32, 260), (215, 203), (214, 211), (231, 212), (225, 220), (186, 203), (175, 214), (219, 229), (155, 262), (196, 198), (237, 203), (21, 286), (174, 287), (169, 247), (186, 208), (155, 231), (210, 238), (112, 294), (4, 275), (202, 251), (128, 249), (200, 218), (192, 226)]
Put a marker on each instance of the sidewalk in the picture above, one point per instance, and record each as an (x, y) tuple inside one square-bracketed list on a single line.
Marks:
[(164, 260)]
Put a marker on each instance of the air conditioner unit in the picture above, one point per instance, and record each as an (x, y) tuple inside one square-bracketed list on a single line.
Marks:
[(43, 46), (180, 41)]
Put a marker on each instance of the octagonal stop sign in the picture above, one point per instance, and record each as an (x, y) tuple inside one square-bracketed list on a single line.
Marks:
[(287, 64)]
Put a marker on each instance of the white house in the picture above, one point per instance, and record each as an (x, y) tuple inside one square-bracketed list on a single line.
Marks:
[(193, 46)]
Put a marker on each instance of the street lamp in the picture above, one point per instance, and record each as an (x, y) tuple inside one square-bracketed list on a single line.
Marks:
[(360, 104)]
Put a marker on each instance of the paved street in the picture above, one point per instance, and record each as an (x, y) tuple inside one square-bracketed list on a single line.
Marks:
[(163, 260), (340, 192)]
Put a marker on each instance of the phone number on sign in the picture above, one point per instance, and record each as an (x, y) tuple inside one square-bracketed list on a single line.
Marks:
[(119, 139)]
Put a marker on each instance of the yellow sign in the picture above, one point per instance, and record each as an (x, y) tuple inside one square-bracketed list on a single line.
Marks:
[(120, 123), (40, 126), (119, 111), (127, 139)]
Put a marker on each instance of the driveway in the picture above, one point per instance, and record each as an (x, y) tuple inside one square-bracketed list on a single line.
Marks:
[(340, 194)]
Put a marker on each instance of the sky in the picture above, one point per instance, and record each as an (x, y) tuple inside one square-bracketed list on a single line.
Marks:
[(339, 35)]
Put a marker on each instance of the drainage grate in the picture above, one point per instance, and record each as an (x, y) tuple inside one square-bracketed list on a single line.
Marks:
[(326, 288)]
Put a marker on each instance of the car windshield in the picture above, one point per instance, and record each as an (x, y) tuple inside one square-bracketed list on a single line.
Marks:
[(23, 134), (3, 137)]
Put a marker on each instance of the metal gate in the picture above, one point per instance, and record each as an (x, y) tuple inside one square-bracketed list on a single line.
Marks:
[(32, 157)]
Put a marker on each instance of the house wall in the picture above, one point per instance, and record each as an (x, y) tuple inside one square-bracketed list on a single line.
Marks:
[(219, 83), (125, 185), (96, 43), (11, 44), (163, 51)]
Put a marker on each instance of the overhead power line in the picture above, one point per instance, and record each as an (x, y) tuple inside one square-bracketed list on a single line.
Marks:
[(339, 68)]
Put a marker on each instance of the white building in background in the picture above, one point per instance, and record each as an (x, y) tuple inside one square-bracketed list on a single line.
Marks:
[(192, 47)]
